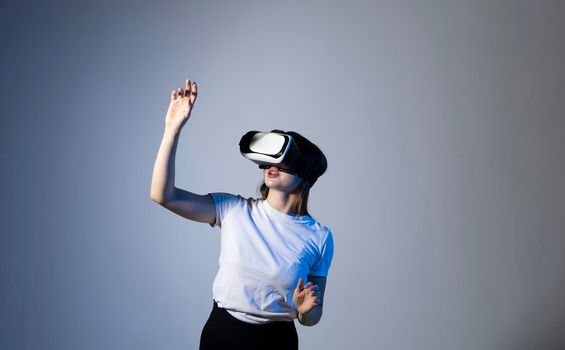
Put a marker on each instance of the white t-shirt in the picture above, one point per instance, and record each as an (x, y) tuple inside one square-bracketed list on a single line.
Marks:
[(263, 253)]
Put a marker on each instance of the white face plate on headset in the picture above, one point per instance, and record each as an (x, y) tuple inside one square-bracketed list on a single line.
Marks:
[(267, 143)]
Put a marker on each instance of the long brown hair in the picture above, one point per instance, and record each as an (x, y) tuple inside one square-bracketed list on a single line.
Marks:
[(313, 164)]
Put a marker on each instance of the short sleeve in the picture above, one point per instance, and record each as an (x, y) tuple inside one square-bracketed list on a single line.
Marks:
[(224, 202), (322, 266)]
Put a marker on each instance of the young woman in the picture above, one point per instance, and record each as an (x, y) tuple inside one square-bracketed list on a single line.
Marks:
[(269, 246)]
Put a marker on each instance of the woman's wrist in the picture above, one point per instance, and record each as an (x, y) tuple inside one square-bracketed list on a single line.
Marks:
[(172, 130), (310, 318)]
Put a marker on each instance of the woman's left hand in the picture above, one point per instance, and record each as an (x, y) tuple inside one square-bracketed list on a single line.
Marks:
[(305, 297)]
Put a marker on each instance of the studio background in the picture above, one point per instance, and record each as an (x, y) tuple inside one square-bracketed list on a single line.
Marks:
[(443, 126)]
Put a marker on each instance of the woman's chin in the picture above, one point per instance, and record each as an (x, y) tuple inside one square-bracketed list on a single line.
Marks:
[(270, 182), (273, 186)]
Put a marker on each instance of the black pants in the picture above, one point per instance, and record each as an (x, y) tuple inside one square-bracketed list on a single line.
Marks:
[(223, 331)]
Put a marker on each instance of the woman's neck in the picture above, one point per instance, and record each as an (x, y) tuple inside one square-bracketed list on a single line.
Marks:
[(281, 201)]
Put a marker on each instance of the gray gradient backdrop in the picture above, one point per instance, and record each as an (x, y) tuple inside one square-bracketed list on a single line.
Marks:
[(442, 122)]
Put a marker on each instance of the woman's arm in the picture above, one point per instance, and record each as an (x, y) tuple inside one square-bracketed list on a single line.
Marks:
[(163, 191), (163, 180), (312, 294), (180, 106)]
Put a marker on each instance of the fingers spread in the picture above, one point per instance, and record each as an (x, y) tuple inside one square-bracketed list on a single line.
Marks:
[(190, 91)]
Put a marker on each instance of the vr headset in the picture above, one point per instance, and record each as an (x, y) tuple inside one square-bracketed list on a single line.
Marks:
[(271, 148)]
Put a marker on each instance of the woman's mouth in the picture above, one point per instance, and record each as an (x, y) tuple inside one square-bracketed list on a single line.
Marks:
[(272, 172)]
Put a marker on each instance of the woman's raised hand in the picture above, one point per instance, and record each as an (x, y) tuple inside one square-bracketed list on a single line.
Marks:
[(305, 297), (181, 105)]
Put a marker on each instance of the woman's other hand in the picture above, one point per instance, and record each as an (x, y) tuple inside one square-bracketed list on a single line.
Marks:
[(180, 106), (305, 297)]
